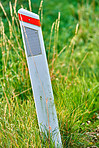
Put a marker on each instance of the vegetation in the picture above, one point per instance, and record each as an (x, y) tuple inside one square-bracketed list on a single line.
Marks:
[(71, 36)]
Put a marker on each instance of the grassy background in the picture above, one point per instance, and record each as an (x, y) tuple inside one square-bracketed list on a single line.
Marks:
[(73, 59)]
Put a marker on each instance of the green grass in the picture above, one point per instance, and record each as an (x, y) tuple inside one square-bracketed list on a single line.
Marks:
[(73, 58)]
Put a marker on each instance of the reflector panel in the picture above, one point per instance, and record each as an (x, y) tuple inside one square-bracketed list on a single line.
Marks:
[(32, 41)]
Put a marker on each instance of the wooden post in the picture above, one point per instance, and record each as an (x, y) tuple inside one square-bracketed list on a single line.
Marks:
[(39, 75)]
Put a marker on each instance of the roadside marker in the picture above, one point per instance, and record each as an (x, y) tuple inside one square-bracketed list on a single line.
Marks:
[(39, 75)]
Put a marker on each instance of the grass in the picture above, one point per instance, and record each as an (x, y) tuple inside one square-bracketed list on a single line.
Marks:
[(72, 50)]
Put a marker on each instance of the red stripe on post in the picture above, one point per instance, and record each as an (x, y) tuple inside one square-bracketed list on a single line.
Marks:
[(28, 19)]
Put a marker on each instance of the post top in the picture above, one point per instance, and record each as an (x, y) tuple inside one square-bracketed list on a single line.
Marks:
[(29, 17), (28, 13)]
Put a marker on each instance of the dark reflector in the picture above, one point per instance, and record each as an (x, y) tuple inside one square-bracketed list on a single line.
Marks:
[(32, 41)]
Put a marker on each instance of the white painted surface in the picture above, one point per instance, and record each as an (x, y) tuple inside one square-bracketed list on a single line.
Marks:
[(41, 85)]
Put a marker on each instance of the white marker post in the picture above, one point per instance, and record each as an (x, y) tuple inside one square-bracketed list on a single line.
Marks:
[(39, 74)]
